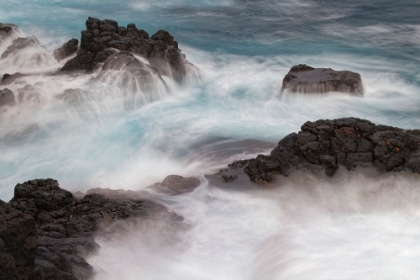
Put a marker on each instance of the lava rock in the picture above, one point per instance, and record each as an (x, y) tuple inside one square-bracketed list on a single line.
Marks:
[(18, 244), (102, 35), (84, 60), (7, 98), (329, 144), (67, 49), (179, 184), (306, 79), (64, 228)]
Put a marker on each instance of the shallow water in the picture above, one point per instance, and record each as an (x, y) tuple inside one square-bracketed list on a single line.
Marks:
[(117, 135)]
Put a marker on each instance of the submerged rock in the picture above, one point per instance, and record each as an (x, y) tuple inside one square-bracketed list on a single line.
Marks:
[(102, 35), (19, 44), (324, 145), (46, 231), (66, 50), (6, 30), (306, 79)]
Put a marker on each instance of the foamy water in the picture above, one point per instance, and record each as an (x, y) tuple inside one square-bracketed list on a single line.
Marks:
[(112, 130)]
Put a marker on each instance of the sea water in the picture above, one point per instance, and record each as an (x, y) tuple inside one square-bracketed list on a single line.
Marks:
[(357, 225)]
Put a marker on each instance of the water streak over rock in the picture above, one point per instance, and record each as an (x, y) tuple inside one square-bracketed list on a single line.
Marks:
[(306, 79)]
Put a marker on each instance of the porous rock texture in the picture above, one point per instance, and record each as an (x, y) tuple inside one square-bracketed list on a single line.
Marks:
[(306, 79), (45, 232), (101, 36), (328, 144)]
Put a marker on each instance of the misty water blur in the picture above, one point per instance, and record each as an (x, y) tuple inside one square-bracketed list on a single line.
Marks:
[(109, 129)]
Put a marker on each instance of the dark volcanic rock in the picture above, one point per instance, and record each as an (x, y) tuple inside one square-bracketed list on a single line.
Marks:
[(84, 60), (179, 184), (7, 29), (9, 79), (67, 49), (18, 244), (64, 228), (328, 144), (305, 79), (7, 98), (102, 35)]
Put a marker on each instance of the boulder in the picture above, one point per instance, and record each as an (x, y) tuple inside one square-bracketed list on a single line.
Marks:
[(179, 184), (47, 229), (328, 144), (7, 98), (66, 50), (9, 79), (306, 79), (102, 35)]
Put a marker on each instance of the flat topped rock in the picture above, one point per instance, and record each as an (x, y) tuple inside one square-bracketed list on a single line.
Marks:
[(306, 79)]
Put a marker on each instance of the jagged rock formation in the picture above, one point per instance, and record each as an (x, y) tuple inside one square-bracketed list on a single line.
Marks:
[(306, 79), (101, 36), (67, 49), (328, 144), (56, 229)]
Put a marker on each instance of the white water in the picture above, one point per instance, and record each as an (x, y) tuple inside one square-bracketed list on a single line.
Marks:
[(354, 226)]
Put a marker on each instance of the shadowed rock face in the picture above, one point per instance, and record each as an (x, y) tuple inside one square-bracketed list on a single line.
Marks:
[(57, 229), (306, 79), (18, 244), (7, 98), (102, 35), (324, 145), (67, 49)]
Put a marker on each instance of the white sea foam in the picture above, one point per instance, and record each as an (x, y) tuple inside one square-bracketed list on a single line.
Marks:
[(355, 225)]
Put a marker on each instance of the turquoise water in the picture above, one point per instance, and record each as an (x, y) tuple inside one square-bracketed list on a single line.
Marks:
[(243, 50)]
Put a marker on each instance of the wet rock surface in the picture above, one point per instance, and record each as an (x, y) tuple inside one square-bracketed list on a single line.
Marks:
[(7, 98), (179, 184), (18, 244), (306, 79), (101, 36), (67, 49), (6, 30), (325, 145), (57, 229)]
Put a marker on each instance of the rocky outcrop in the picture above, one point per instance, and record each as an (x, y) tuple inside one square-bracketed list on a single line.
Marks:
[(66, 50), (48, 230), (102, 35), (18, 244), (306, 79), (324, 145)]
